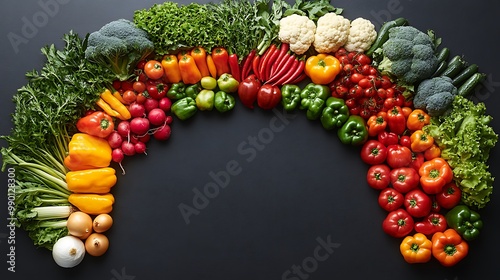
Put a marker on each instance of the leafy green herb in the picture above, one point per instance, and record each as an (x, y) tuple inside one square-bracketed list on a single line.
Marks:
[(466, 139)]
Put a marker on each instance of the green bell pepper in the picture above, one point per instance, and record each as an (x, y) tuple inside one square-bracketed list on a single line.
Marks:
[(227, 83), (205, 100), (224, 101), (184, 108), (313, 98), (335, 113), (290, 97), (353, 131), (177, 91), (465, 221), (193, 90)]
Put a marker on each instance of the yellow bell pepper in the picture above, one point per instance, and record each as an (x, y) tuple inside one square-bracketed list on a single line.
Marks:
[(92, 204), (87, 152), (322, 68), (416, 248), (99, 180)]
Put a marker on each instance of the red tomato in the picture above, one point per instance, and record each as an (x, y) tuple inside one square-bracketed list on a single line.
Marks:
[(390, 199), (373, 152), (398, 156), (449, 196), (398, 223), (417, 203), (139, 86), (404, 179), (378, 176), (153, 69), (157, 91)]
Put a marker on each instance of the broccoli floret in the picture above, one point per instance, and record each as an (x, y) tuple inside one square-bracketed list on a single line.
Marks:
[(435, 95), (411, 54), (119, 45)]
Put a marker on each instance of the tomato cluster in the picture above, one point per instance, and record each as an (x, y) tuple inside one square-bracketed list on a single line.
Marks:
[(365, 90), (146, 100), (414, 183)]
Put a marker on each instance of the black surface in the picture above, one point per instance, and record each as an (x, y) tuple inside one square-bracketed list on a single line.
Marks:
[(299, 189)]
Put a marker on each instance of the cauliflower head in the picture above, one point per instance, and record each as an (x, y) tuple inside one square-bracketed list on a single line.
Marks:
[(298, 31), (332, 32), (361, 36)]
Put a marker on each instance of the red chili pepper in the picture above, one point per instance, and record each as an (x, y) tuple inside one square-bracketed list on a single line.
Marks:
[(234, 66), (247, 63), (221, 57), (296, 71), (283, 54), (396, 120), (272, 60), (299, 79), (255, 66), (265, 60), (283, 70)]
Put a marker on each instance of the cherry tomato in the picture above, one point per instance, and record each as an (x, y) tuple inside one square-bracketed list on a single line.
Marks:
[(363, 59), (382, 93), (365, 83), (356, 77), (370, 92), (385, 82), (117, 84), (140, 65), (139, 86), (141, 98), (127, 85), (157, 91), (351, 103), (355, 92), (405, 141), (153, 69), (129, 96)]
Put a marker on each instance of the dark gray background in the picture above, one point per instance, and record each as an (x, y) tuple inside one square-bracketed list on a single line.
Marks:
[(302, 185)]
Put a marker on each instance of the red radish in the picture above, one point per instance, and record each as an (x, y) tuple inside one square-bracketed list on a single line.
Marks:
[(157, 116), (136, 110), (169, 120), (128, 148), (144, 138), (123, 128), (140, 147), (118, 156), (150, 104), (162, 133), (165, 103), (134, 138), (115, 140), (139, 126)]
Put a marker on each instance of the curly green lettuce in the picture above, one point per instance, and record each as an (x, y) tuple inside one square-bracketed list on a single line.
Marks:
[(466, 139)]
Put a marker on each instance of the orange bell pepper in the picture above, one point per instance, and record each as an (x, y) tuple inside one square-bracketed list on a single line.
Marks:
[(416, 248), (434, 175), (433, 152), (417, 119), (376, 124), (200, 57), (322, 68), (170, 65), (420, 141), (448, 247), (189, 71)]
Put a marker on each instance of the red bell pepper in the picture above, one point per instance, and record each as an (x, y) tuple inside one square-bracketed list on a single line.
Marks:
[(378, 176), (449, 196), (396, 120), (417, 159), (417, 203), (248, 89), (388, 138), (97, 124), (404, 179), (221, 60), (431, 224), (390, 199), (398, 223), (398, 156), (373, 152), (268, 97)]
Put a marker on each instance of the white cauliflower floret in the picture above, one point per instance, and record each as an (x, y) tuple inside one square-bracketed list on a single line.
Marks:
[(298, 31), (332, 31), (362, 34)]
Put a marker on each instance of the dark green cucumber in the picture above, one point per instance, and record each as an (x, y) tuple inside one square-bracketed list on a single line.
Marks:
[(441, 67), (443, 54), (455, 65), (468, 86), (383, 34), (464, 75)]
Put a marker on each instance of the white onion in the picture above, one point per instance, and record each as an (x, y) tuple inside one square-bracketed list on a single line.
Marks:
[(68, 251)]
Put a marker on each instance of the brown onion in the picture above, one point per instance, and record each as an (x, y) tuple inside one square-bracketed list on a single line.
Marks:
[(79, 224), (102, 223), (96, 244)]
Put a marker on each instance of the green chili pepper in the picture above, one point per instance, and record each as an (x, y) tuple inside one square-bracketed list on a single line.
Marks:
[(205, 100), (313, 98), (354, 131), (227, 83), (223, 101), (335, 113), (184, 108), (465, 221), (193, 90), (290, 97), (177, 91)]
